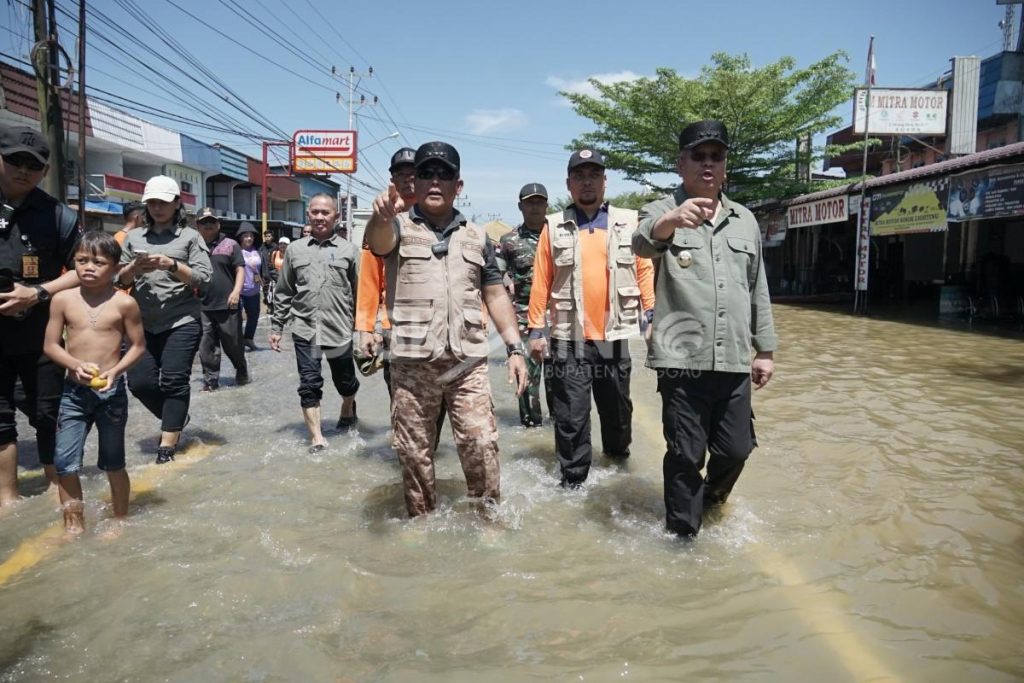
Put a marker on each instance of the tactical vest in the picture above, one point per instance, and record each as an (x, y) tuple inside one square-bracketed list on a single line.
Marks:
[(567, 277), (435, 303)]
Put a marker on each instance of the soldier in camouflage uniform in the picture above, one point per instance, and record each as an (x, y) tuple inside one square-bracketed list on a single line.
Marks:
[(441, 271), (515, 258)]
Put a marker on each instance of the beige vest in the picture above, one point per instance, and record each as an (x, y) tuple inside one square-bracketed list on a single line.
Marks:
[(566, 286), (435, 304)]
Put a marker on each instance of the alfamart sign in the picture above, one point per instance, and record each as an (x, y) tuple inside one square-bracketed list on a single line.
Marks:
[(831, 210), (324, 151), (901, 112)]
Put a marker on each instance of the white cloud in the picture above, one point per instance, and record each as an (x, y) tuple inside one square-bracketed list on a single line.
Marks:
[(486, 121), (585, 87)]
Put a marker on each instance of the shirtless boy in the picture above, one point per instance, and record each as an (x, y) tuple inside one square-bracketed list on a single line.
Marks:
[(93, 318)]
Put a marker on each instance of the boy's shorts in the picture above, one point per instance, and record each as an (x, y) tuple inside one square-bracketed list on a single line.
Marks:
[(80, 407)]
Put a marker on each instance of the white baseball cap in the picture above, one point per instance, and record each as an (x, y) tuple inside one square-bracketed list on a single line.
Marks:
[(161, 187), (284, 240)]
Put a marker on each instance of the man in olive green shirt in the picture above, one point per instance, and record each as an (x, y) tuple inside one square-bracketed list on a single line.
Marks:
[(316, 292), (712, 313)]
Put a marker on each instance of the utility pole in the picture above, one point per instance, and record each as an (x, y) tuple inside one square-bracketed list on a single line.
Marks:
[(51, 119), (82, 188), (352, 105)]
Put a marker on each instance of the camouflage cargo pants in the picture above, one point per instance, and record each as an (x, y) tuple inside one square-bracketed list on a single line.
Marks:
[(419, 390)]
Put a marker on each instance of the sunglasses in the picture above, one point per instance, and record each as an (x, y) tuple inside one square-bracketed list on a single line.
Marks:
[(19, 161), (699, 157), (434, 172)]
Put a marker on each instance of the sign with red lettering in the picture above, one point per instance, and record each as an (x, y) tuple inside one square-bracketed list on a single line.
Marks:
[(831, 210), (901, 112), (324, 151)]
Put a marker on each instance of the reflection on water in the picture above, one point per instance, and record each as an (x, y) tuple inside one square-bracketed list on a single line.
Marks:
[(875, 535)]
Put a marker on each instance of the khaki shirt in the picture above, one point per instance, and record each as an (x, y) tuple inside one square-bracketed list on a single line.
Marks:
[(316, 291), (164, 301), (711, 293)]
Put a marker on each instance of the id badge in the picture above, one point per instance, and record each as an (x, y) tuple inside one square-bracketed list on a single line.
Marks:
[(30, 266)]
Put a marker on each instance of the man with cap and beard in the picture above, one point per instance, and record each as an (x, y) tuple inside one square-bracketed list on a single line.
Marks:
[(441, 271), (516, 252), (713, 331), (599, 296), (222, 313), (38, 237)]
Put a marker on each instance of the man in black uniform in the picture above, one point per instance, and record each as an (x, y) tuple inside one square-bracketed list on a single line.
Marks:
[(38, 237)]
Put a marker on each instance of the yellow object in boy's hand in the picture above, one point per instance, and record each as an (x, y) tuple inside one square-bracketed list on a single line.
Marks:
[(97, 382)]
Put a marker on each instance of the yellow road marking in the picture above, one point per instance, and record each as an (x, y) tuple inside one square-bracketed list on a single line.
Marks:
[(825, 619), (34, 550)]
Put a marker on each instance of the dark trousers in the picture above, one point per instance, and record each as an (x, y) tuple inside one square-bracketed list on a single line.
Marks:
[(579, 370), (221, 329), (41, 386), (702, 411), (160, 380), (311, 382), (251, 306)]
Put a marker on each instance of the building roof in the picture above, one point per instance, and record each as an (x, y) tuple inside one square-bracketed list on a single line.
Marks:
[(966, 162)]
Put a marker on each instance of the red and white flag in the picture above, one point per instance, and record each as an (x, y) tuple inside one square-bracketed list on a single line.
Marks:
[(869, 74)]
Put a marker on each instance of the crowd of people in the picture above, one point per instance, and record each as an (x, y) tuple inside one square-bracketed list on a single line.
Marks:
[(87, 318)]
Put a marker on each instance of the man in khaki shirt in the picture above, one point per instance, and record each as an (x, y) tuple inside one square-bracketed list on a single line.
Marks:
[(711, 314), (316, 292)]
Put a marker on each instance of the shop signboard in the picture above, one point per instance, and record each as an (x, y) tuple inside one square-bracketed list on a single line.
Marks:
[(994, 192), (830, 210), (323, 151), (901, 111), (919, 207)]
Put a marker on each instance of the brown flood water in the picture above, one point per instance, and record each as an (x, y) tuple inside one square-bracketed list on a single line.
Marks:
[(876, 535)]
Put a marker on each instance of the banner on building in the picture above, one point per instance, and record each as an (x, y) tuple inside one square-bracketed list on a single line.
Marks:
[(773, 230), (920, 207), (995, 192), (831, 210), (901, 112), (860, 276)]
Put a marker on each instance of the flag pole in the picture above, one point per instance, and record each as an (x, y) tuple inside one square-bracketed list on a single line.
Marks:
[(860, 300)]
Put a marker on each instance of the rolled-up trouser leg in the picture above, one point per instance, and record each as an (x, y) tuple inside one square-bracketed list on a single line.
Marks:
[(311, 379), (415, 403), (476, 431), (178, 353)]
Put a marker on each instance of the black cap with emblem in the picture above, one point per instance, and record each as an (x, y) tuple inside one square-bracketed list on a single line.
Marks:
[(406, 155), (703, 131), (437, 151), (585, 156), (533, 190)]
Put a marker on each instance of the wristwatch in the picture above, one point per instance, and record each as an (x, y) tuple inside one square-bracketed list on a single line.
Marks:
[(173, 268), (515, 349), (42, 296)]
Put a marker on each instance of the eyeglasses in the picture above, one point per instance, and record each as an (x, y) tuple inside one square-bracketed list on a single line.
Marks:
[(700, 157), (435, 172), (23, 161)]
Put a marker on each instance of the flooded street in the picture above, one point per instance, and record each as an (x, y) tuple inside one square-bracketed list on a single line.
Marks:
[(876, 534)]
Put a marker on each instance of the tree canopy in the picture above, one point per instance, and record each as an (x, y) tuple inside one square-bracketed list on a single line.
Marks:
[(765, 109)]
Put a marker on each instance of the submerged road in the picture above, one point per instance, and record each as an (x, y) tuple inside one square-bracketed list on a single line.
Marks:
[(875, 535)]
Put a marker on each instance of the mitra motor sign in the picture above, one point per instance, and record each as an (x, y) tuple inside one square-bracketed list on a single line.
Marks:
[(901, 112), (324, 151)]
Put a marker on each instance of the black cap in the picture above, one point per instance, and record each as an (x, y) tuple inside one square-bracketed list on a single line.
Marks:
[(24, 139), (703, 131), (586, 156), (245, 227), (533, 190), (406, 155), (437, 151), (206, 214)]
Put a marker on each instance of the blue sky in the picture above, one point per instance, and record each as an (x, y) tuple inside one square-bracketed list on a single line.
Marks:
[(485, 76)]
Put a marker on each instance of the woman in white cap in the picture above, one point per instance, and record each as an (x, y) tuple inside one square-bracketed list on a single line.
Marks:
[(166, 262)]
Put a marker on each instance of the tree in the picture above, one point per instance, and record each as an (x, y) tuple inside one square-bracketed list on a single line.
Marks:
[(765, 110)]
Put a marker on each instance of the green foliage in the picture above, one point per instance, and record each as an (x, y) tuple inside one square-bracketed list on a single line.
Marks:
[(765, 110)]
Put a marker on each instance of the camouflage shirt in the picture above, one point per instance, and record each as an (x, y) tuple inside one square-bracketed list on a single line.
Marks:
[(515, 257)]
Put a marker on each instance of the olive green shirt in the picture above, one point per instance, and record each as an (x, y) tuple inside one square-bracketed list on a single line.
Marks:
[(711, 293), (165, 301), (316, 291)]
